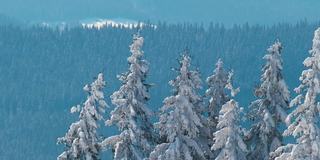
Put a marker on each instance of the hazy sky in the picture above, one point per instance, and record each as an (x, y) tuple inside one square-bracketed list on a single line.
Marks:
[(225, 11)]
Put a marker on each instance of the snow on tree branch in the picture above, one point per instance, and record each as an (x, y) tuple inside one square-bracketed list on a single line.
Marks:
[(81, 140), (131, 114), (305, 118), (218, 82), (227, 139), (269, 110), (180, 122)]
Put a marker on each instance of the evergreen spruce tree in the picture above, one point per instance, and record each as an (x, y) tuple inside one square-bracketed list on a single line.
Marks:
[(269, 111), (228, 137), (131, 114), (81, 141), (217, 93), (180, 121), (304, 120)]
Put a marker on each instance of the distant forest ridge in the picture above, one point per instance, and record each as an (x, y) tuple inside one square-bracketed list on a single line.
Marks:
[(8, 20)]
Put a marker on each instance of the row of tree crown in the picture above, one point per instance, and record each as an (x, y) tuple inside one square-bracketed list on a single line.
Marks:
[(190, 128)]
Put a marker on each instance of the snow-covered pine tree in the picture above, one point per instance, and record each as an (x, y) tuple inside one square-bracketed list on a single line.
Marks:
[(131, 114), (228, 137), (269, 111), (180, 122), (305, 124), (217, 84), (82, 141)]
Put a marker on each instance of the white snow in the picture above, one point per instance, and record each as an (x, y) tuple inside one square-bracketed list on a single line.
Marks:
[(304, 119), (131, 114), (101, 23), (180, 122), (81, 140), (228, 137), (269, 110)]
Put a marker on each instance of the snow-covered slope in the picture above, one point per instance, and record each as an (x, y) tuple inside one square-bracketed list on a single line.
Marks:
[(96, 23), (116, 23)]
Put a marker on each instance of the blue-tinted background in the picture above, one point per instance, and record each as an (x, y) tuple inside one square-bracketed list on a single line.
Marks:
[(43, 70), (223, 11)]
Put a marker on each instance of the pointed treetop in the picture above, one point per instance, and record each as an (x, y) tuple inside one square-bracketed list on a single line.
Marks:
[(219, 75), (275, 48), (187, 78), (316, 43), (185, 64), (313, 62), (219, 63), (135, 47)]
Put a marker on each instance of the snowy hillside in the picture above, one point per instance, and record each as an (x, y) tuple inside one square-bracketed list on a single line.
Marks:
[(96, 23), (116, 23)]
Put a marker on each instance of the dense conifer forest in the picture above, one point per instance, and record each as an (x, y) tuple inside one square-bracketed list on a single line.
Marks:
[(44, 69)]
